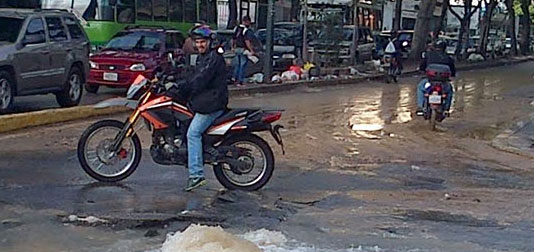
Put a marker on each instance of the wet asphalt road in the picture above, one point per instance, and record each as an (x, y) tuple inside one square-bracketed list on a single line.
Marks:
[(398, 187)]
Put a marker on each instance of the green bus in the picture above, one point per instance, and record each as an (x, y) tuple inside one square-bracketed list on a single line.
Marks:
[(102, 19)]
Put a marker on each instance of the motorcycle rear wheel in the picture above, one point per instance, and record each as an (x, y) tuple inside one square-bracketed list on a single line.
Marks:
[(93, 161), (231, 180)]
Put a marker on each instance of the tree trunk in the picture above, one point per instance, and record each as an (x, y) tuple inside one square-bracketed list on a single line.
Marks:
[(460, 39), (485, 27), (442, 17), (511, 26), (422, 27), (232, 14), (525, 29), (354, 48), (465, 21), (295, 10), (398, 16), (467, 35)]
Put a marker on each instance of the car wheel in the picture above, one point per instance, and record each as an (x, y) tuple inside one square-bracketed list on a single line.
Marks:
[(72, 89), (7, 92), (93, 89)]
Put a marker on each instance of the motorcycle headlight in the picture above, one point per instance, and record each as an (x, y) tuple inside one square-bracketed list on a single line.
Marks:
[(93, 65), (405, 43), (138, 67)]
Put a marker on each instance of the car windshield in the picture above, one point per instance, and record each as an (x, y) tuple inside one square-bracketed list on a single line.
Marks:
[(135, 41), (347, 34), (10, 28), (280, 36), (405, 36)]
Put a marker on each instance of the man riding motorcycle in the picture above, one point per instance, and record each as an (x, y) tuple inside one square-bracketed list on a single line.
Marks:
[(436, 55), (393, 49), (207, 94)]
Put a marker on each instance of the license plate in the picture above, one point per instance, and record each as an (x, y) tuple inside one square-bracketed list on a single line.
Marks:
[(434, 99), (111, 76)]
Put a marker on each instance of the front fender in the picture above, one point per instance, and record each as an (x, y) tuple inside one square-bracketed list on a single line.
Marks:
[(120, 101)]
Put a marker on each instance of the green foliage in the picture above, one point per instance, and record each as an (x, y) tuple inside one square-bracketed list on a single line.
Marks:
[(519, 11)]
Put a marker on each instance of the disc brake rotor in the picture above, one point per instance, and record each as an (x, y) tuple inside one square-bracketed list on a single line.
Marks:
[(105, 155)]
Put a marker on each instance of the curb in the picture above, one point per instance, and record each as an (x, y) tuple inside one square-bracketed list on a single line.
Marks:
[(50, 116), (500, 142)]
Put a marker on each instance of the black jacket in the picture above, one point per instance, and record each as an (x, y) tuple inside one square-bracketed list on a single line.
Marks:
[(435, 57), (207, 89)]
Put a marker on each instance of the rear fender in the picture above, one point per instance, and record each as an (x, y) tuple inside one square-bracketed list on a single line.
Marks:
[(117, 102)]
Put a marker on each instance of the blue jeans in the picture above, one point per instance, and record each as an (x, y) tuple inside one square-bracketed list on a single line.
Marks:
[(240, 65), (421, 95), (199, 124)]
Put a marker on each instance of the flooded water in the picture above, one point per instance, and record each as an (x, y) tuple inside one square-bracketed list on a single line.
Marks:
[(369, 107)]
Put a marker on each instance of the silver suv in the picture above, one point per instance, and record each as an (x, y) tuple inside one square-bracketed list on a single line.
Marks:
[(42, 51)]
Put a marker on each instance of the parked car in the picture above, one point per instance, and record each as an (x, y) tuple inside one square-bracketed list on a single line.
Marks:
[(296, 34), (42, 51), (284, 49), (451, 42), (365, 51), (134, 51)]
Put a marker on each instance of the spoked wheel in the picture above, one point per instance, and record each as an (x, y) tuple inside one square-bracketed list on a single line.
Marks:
[(72, 90), (98, 159), (256, 164)]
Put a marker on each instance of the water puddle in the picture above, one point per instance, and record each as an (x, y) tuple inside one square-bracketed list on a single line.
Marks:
[(371, 112), (198, 238)]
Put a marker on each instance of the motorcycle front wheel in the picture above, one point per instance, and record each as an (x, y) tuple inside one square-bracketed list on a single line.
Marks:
[(259, 160), (433, 119), (98, 159)]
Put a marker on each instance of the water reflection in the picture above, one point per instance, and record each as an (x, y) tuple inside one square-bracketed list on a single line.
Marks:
[(391, 104), (471, 92)]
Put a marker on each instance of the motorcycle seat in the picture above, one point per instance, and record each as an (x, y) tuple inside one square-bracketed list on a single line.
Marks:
[(229, 114)]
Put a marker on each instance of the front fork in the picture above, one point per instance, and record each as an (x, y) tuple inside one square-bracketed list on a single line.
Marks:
[(129, 125)]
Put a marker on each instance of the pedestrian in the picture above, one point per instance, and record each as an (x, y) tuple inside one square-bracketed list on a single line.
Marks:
[(242, 45)]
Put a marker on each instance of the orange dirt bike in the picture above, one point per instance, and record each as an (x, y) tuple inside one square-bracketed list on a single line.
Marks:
[(110, 150)]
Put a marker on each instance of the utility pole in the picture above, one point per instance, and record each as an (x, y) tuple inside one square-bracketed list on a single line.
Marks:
[(305, 32), (355, 35), (268, 63)]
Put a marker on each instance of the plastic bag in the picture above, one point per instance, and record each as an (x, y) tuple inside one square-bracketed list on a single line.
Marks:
[(390, 48)]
